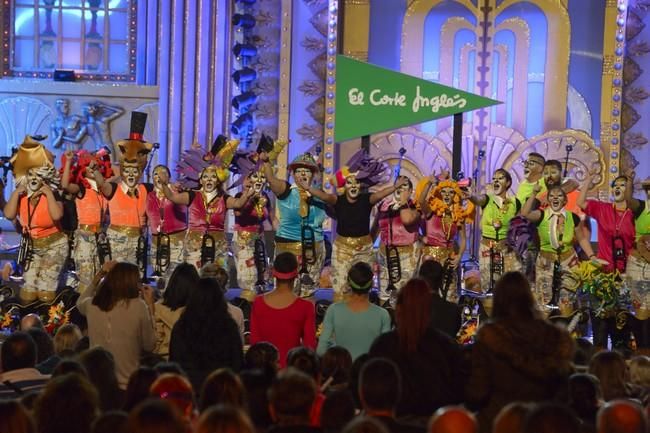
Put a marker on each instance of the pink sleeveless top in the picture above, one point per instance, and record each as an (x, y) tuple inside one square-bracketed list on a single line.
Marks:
[(174, 216), (198, 210), (402, 235), (439, 233), (247, 218)]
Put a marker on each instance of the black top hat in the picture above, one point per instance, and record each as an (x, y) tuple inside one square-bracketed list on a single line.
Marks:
[(138, 122)]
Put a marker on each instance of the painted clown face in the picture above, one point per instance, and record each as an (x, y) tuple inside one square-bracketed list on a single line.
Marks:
[(620, 185), (209, 180), (257, 181), (533, 168), (557, 199), (160, 176), (447, 194), (552, 176), (130, 175), (403, 193), (352, 187), (303, 177), (500, 183), (34, 181)]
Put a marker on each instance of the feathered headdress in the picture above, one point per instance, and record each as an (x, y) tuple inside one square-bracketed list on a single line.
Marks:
[(245, 163), (365, 169), (461, 211), (33, 154), (195, 160), (83, 158)]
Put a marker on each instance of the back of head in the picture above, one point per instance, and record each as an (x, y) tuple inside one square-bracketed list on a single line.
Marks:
[(551, 418), (337, 410), (285, 267), (584, 353), (113, 421), (121, 284), (554, 163), (66, 338), (14, 418), (452, 419), (380, 385), (175, 389), (306, 360), (291, 397), (137, 390), (360, 278), (513, 299), (610, 368), (511, 418), (412, 313), (206, 297), (257, 384), (222, 386), (640, 371), (31, 320), (69, 403), (100, 365), (180, 285), (584, 392), (365, 424), (262, 355), (156, 416), (431, 272), (336, 365), (69, 366), (622, 416), (44, 344), (225, 419), (18, 351)]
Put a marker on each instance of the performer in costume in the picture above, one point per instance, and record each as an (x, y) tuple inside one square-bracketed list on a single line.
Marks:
[(397, 219), (83, 176), (167, 225), (556, 227), (203, 175), (445, 216), (36, 203), (352, 209), (127, 197), (637, 271), (498, 209), (301, 217), (533, 169)]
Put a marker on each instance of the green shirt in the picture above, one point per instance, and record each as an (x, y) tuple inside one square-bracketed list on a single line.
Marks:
[(503, 214), (525, 190), (544, 230)]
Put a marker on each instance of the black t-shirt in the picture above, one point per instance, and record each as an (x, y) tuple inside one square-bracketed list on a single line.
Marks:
[(353, 219)]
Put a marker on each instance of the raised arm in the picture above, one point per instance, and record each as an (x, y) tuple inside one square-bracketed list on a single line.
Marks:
[(377, 196), (631, 202), (68, 186), (324, 196), (409, 216), (182, 198), (422, 200), (240, 202), (277, 186), (532, 215), (582, 198)]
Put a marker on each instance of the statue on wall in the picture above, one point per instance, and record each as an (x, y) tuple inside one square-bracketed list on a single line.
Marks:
[(97, 116), (67, 131)]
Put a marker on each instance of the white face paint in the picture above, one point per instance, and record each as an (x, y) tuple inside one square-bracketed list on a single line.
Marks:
[(34, 182), (620, 185), (352, 187), (557, 200), (303, 177), (130, 175), (160, 174), (209, 181), (404, 191), (448, 195), (258, 181)]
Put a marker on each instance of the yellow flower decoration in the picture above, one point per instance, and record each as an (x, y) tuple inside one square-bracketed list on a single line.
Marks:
[(460, 213), (7, 320)]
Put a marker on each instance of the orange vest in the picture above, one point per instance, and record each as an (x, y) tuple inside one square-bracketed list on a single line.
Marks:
[(89, 207), (41, 224), (127, 211)]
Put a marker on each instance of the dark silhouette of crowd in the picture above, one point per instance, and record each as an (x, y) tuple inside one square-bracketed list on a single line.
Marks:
[(176, 363)]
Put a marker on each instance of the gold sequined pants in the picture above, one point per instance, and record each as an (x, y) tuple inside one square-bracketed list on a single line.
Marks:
[(508, 263), (124, 243), (408, 257), (543, 289), (440, 255), (43, 274), (347, 251), (313, 269), (176, 252), (193, 242), (85, 257), (243, 247)]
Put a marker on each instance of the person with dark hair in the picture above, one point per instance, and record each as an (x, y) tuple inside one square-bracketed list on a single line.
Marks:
[(585, 398), (533, 169), (430, 362), (169, 367), (336, 366), (68, 404), (100, 365), (224, 419), (156, 416), (307, 361), (119, 320), (338, 410), (355, 322), (14, 418), (364, 424), (69, 366), (257, 383), (222, 386), (517, 355), (177, 390), (612, 371), (168, 310), (355, 374), (280, 317), (137, 390), (622, 416), (113, 421), (380, 391), (264, 356), (584, 352), (511, 418), (445, 315), (551, 418), (19, 375), (291, 399), (213, 270), (44, 348), (206, 337)]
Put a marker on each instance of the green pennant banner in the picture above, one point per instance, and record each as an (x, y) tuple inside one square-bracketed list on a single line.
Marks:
[(370, 99)]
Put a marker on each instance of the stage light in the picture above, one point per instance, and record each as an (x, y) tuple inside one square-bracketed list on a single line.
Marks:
[(246, 21), (244, 75), (244, 50), (244, 100), (242, 124)]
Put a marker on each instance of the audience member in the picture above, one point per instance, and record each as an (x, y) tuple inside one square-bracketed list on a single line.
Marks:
[(610, 368), (621, 416), (118, 319), (585, 398), (113, 421), (224, 419), (156, 416), (177, 390), (517, 355), (169, 367), (551, 418), (137, 390), (44, 345), (30, 320), (100, 365), (257, 383), (206, 337), (354, 323), (69, 366), (222, 386), (291, 398), (453, 419), (640, 371), (221, 275), (280, 317), (511, 418), (364, 424), (336, 366), (307, 361), (445, 315), (66, 339), (584, 352), (14, 418), (168, 310), (380, 389), (19, 375), (430, 362), (338, 410), (262, 355), (355, 374)]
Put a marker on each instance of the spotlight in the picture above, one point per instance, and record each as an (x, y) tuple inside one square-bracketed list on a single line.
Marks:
[(244, 75), (244, 50), (244, 100), (246, 21), (242, 123)]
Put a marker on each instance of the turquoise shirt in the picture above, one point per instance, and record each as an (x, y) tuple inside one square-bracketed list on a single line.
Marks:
[(353, 330), (291, 222)]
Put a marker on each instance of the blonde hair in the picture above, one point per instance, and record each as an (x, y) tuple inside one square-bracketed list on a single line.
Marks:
[(67, 337), (640, 371)]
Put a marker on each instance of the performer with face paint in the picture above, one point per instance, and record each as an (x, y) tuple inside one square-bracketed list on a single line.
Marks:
[(498, 209), (36, 203), (83, 177), (301, 216), (203, 175), (352, 210), (445, 216), (397, 219), (167, 225), (556, 227), (127, 197)]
